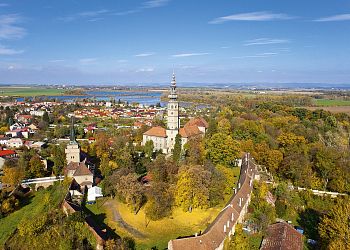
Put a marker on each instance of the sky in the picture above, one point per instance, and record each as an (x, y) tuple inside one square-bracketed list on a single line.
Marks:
[(208, 42)]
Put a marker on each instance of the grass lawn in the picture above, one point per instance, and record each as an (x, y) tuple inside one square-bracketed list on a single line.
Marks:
[(322, 102), (27, 207), (30, 91), (30, 207), (181, 224)]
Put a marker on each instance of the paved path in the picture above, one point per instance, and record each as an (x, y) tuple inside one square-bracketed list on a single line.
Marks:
[(116, 216)]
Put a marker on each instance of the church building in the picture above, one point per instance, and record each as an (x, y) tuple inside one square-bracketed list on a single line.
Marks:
[(164, 139), (78, 165)]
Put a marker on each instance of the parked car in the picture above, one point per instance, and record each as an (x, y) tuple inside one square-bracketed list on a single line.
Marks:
[(90, 202)]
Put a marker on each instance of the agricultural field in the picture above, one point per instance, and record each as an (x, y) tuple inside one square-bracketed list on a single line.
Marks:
[(337, 109), (322, 102), (30, 91)]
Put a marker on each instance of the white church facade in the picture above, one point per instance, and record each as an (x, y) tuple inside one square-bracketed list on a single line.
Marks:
[(164, 139)]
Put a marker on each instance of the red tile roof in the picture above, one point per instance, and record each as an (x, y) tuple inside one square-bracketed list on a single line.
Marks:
[(7, 152), (197, 122), (189, 131), (156, 131), (282, 236)]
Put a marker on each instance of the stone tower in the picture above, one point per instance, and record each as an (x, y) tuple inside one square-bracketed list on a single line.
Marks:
[(173, 116), (73, 148)]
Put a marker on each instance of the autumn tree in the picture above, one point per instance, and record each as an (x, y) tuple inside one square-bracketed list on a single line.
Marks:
[(192, 188), (273, 160), (13, 176), (222, 149), (334, 227), (196, 153), (159, 204), (325, 162), (237, 240), (101, 144), (131, 189), (36, 167)]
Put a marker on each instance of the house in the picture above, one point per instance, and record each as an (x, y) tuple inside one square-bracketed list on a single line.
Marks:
[(282, 236), (14, 143), (38, 145), (3, 140)]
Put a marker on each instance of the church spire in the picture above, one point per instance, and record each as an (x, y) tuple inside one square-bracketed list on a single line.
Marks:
[(173, 94), (72, 134)]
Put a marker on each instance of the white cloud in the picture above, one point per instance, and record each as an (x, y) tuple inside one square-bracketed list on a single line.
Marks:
[(146, 5), (95, 19), (144, 70), (146, 54), (122, 61), (154, 3), (55, 61), (5, 51), (4, 4), (7, 28), (260, 41), (257, 55), (343, 17), (88, 61), (86, 14), (253, 16), (190, 54)]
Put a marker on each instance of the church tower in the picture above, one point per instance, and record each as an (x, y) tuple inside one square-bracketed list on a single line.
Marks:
[(173, 116), (73, 148)]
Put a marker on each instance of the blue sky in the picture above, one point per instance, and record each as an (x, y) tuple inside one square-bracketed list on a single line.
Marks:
[(136, 42)]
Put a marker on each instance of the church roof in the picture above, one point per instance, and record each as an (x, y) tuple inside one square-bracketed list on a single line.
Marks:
[(156, 131), (82, 170), (197, 122), (189, 131), (80, 167)]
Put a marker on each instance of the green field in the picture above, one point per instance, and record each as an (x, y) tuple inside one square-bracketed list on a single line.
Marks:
[(30, 91), (322, 102)]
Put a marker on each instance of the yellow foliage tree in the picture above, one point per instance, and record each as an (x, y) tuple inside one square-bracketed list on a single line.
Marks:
[(13, 176), (334, 228)]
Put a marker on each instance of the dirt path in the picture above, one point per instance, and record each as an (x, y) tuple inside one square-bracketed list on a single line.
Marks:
[(117, 218)]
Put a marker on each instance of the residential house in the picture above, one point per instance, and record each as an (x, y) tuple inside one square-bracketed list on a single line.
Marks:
[(15, 143)]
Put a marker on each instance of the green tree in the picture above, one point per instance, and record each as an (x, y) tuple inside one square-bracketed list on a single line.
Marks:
[(149, 146), (192, 188), (36, 168), (222, 149), (177, 148), (59, 160), (325, 163), (46, 117)]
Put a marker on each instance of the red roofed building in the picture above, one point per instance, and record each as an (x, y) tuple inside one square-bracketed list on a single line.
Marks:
[(282, 236)]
